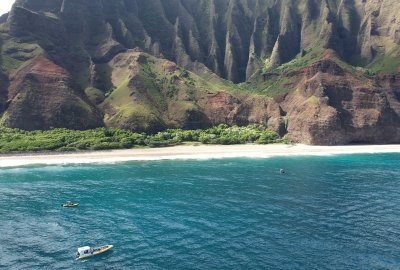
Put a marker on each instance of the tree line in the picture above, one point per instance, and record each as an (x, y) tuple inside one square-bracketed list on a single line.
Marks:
[(16, 140)]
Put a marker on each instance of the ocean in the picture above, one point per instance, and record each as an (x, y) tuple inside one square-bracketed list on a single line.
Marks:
[(329, 212)]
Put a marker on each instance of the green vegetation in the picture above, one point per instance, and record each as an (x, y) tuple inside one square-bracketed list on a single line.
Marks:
[(158, 93), (387, 63), (95, 95), (367, 72), (309, 58), (273, 84), (276, 86), (15, 55), (15, 140)]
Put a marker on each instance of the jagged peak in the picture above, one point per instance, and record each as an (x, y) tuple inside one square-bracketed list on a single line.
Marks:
[(255, 29)]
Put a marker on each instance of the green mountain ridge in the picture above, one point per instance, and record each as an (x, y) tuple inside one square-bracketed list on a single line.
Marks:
[(323, 72)]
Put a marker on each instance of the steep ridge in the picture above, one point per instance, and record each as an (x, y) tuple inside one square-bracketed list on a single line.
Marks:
[(42, 96), (334, 106), (324, 72), (154, 93), (230, 37)]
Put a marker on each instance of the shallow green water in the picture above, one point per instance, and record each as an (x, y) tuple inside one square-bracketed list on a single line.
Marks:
[(339, 212)]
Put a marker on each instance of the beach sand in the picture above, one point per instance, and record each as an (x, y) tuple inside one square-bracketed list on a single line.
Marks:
[(190, 152)]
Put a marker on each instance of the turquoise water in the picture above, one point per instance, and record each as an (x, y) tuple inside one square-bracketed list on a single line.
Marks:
[(339, 212)]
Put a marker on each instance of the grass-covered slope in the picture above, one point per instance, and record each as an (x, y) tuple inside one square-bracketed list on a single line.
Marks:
[(388, 63), (150, 94)]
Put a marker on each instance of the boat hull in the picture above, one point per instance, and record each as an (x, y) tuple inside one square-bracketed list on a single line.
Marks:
[(70, 205), (97, 251)]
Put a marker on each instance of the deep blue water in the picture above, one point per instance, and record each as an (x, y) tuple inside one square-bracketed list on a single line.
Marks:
[(338, 212)]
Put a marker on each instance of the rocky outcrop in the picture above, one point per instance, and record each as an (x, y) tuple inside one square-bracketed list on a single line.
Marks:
[(42, 96), (332, 106), (3, 92)]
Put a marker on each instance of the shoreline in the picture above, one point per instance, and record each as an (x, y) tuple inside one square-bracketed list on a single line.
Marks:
[(189, 152)]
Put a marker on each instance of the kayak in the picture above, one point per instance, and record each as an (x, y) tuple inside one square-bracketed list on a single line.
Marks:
[(87, 252), (70, 204)]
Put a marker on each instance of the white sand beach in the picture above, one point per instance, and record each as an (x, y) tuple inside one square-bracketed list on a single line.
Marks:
[(190, 152)]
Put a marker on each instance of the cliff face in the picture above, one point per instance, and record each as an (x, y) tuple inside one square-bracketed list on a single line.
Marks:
[(334, 106), (81, 64), (42, 96), (228, 36)]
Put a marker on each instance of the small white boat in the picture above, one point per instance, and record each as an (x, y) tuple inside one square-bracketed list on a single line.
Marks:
[(86, 252), (69, 204)]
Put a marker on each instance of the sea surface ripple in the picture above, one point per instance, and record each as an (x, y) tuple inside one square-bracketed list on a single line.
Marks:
[(333, 212)]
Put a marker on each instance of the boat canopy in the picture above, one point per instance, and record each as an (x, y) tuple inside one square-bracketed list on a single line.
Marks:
[(82, 250)]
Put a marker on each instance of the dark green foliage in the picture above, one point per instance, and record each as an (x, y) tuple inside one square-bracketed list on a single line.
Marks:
[(184, 74), (15, 140), (366, 72)]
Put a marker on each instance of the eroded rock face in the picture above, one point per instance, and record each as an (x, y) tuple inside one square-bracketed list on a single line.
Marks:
[(242, 109), (332, 106), (41, 96), (227, 36)]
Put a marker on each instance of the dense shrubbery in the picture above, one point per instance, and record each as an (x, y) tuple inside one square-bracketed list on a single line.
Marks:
[(15, 140)]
